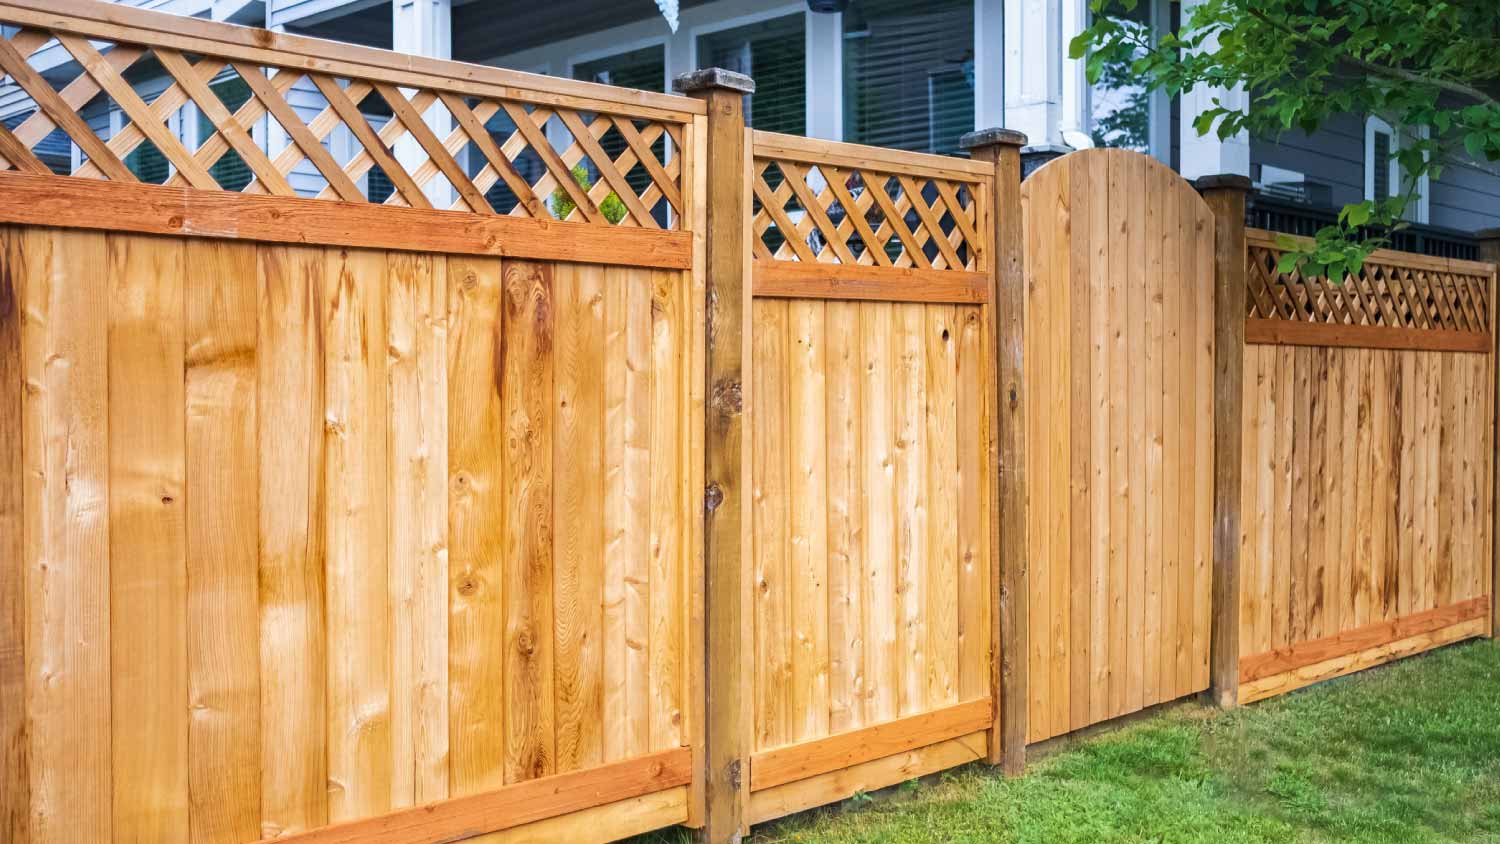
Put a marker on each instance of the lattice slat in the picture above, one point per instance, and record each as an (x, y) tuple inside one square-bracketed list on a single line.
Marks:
[(624, 144), (1393, 290), (864, 215)]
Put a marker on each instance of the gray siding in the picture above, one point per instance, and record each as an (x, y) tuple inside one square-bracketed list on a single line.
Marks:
[(1465, 198)]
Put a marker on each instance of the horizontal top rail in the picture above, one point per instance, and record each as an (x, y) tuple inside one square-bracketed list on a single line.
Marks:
[(1399, 300), (421, 133), (116, 22), (891, 217)]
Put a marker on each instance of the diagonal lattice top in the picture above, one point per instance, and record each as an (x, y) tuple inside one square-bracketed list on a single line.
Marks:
[(135, 104), (820, 211), (1394, 290)]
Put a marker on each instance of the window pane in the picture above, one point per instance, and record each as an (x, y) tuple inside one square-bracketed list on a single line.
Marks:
[(230, 171), (1120, 107), (148, 164), (645, 68), (909, 73), (774, 54)]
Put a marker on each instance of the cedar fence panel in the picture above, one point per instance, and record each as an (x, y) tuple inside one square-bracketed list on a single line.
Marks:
[(320, 542), (1367, 479), (872, 495), (1119, 355)]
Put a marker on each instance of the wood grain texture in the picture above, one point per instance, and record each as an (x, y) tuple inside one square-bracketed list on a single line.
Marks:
[(476, 528), (223, 602), (147, 539), (1120, 345), (526, 355), (290, 441), (772, 768), (15, 783), (92, 204), (1391, 447)]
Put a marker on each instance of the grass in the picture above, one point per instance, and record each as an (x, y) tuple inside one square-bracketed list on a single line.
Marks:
[(1408, 753)]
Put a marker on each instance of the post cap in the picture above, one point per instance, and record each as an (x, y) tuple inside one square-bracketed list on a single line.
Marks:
[(710, 78), (991, 137), (1487, 234), (1225, 181)]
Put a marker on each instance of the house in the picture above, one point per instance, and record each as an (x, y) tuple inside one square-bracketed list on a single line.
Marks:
[(894, 73)]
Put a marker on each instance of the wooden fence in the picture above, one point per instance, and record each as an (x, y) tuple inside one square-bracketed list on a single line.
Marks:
[(322, 542), (737, 476), (872, 419), (1367, 481)]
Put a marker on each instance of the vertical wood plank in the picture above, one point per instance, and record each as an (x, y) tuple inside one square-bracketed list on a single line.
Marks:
[(1297, 565), (147, 539), (882, 657), (1136, 340), (807, 519), (1364, 526), (1317, 484), (1151, 361), (66, 535), (526, 363), (1338, 500), (1406, 491), (1438, 563), (1217, 357), (15, 763), (418, 523), (1080, 549), (477, 514), (578, 511), (1448, 487), (974, 608), (1101, 490), (846, 504), (290, 444), (1284, 504), (943, 568), (1041, 193), (1119, 432), (770, 494), (668, 576), (223, 625), (1176, 602), (912, 504), (358, 591), (1056, 444)]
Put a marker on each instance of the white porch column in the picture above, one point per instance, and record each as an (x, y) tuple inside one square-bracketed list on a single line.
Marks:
[(1207, 155), (825, 76), (1045, 92), (989, 63), (424, 28)]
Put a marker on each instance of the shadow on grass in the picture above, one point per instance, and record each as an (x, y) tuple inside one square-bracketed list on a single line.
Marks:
[(1408, 753)]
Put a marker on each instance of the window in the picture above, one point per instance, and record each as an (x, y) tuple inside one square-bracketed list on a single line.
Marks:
[(645, 69), (230, 171), (774, 54), (909, 73), (1384, 177)]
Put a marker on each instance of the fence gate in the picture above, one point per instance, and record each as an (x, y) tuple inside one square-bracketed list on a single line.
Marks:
[(1119, 327)]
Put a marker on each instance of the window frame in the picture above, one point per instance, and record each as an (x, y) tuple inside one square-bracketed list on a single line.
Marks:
[(1420, 209)]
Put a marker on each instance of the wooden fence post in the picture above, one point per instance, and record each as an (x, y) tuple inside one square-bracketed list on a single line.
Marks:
[(1002, 148), (728, 641), (1489, 250), (1226, 197)]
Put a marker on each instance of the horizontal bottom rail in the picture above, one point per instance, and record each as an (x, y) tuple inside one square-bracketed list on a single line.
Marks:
[(782, 765), (1359, 650), (1286, 332), (524, 803), (857, 282), (801, 795), (69, 202)]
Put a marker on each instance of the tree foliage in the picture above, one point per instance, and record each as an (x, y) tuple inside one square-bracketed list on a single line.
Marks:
[(1429, 68)]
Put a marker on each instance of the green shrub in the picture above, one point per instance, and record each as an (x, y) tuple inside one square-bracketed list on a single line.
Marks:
[(563, 205)]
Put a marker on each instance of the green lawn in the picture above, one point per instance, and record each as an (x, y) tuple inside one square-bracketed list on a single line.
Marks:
[(1409, 753)]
